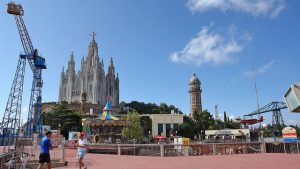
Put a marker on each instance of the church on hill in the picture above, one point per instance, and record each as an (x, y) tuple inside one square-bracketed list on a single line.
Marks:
[(89, 84)]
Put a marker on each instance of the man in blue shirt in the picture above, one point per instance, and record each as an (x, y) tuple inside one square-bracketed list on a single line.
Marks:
[(45, 147)]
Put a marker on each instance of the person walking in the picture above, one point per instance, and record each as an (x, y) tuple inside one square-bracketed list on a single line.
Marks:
[(44, 152), (81, 150)]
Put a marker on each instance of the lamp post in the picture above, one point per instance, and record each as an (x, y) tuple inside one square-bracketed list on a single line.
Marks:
[(149, 135), (263, 146), (200, 139), (58, 130)]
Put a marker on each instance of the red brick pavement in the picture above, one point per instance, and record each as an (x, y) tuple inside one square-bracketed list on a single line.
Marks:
[(241, 161)]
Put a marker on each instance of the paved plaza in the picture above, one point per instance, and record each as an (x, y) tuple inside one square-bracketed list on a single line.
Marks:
[(241, 161)]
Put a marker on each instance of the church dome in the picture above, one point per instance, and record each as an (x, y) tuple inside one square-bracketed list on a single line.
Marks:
[(194, 79)]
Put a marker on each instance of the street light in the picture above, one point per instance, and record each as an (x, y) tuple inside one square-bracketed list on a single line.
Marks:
[(149, 135), (200, 135), (59, 126)]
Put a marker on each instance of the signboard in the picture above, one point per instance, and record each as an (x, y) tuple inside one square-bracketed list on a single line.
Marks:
[(74, 135), (289, 134), (185, 147), (177, 141), (186, 141)]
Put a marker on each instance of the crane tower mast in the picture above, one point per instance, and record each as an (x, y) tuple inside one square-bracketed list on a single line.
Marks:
[(10, 125)]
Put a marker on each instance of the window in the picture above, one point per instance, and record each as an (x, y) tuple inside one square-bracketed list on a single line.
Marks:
[(91, 86), (175, 127), (168, 129), (159, 128)]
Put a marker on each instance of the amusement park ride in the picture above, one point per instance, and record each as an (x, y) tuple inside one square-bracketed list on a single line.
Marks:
[(10, 126), (274, 107), (252, 121)]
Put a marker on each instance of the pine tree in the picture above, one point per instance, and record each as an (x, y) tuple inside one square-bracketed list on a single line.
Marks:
[(225, 117)]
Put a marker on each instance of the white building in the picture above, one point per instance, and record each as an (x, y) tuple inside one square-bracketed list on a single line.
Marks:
[(228, 134), (165, 124)]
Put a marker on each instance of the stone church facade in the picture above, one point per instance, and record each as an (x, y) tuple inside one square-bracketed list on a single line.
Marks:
[(90, 84)]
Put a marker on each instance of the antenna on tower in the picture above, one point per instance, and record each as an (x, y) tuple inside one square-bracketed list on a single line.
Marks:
[(257, 105), (256, 92)]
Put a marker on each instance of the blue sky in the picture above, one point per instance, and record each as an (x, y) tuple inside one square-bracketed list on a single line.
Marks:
[(157, 46)]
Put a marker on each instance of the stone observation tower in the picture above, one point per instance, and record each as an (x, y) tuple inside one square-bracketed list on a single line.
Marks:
[(90, 84), (195, 94)]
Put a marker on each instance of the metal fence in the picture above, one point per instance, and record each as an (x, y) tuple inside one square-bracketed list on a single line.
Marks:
[(281, 147), (197, 149)]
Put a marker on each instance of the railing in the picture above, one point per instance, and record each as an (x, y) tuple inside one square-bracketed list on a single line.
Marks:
[(281, 147), (198, 149)]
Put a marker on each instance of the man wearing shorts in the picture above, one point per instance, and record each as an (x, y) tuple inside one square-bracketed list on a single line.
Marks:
[(81, 150), (45, 147)]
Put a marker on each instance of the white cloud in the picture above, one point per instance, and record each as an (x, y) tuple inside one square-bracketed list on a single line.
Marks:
[(266, 67), (261, 70), (256, 8), (208, 47)]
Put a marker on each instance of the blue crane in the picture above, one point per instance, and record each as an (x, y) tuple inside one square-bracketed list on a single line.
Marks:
[(10, 125)]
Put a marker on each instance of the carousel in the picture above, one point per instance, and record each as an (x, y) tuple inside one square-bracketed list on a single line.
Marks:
[(105, 128)]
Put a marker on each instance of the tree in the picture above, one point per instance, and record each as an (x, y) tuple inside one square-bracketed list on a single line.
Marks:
[(225, 117), (203, 121), (149, 108), (163, 108), (134, 130), (69, 120), (187, 119), (146, 124), (186, 130)]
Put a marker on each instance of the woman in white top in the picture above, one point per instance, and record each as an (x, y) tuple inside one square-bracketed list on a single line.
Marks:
[(81, 150)]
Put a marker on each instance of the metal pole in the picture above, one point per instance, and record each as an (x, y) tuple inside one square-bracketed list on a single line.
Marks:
[(284, 148), (298, 147)]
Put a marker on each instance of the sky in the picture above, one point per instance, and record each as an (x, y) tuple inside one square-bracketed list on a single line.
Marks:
[(158, 45)]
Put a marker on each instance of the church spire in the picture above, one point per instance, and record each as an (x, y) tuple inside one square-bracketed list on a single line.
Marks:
[(93, 36), (93, 42), (71, 64), (63, 71), (117, 78), (111, 68), (111, 62), (72, 57), (93, 51)]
